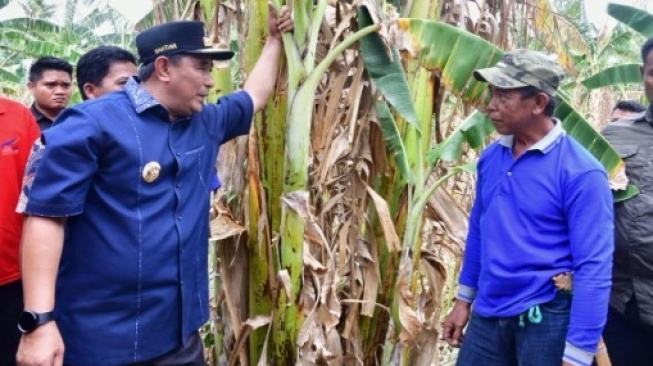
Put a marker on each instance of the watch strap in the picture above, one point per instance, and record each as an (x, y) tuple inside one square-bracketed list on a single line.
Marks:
[(43, 318)]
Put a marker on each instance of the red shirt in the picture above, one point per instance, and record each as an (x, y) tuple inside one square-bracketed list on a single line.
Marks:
[(18, 131)]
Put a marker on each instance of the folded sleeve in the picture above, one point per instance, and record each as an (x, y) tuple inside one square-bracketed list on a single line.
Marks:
[(230, 117), (61, 166)]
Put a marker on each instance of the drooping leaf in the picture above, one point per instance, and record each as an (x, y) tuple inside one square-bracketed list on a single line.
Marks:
[(472, 131), (620, 74), (630, 192), (8, 76), (386, 70), (34, 25), (457, 53), (639, 20), (393, 140), (577, 127)]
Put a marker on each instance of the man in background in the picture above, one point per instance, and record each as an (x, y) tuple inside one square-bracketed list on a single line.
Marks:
[(103, 70), (50, 82), (628, 333), (18, 131), (626, 109)]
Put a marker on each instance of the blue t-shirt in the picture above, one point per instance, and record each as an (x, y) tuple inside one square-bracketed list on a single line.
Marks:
[(132, 281), (547, 212)]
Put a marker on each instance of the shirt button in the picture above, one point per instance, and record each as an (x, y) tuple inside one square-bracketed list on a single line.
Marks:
[(509, 174), (178, 185), (179, 218), (178, 153)]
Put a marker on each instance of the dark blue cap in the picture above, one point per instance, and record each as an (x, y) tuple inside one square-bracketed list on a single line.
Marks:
[(185, 37)]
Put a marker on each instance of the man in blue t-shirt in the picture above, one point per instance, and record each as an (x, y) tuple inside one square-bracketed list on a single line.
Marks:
[(543, 209), (128, 177)]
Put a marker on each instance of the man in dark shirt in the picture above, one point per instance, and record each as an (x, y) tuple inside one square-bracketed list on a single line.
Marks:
[(625, 109), (628, 333), (50, 82)]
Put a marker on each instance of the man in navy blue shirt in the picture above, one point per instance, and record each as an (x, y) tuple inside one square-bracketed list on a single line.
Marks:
[(543, 208), (127, 176)]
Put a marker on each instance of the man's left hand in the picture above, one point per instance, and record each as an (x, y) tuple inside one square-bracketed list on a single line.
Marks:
[(280, 23), (565, 363)]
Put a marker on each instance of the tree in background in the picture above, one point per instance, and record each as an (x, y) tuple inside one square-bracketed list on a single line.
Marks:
[(36, 34), (338, 234)]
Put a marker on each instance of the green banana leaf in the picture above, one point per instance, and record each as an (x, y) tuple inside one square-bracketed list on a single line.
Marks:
[(393, 141), (455, 53), (33, 25), (27, 45), (639, 20), (472, 131), (386, 70), (616, 75), (630, 192)]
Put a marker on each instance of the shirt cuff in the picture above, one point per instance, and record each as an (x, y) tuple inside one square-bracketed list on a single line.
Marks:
[(577, 356), (466, 293)]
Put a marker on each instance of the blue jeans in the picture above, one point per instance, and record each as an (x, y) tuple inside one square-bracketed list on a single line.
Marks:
[(506, 342)]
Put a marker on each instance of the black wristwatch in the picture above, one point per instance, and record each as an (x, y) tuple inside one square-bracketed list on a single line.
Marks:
[(30, 320)]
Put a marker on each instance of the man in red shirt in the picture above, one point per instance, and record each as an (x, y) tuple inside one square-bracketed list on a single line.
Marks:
[(18, 131)]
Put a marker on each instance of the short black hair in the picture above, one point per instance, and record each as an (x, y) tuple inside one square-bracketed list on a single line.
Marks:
[(630, 106), (48, 63), (531, 91), (94, 65), (146, 71), (646, 49)]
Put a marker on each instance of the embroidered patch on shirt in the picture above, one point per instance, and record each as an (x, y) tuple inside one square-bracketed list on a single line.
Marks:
[(9, 147)]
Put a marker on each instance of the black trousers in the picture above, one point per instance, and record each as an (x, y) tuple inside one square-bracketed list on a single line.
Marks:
[(629, 341), (190, 355), (11, 306)]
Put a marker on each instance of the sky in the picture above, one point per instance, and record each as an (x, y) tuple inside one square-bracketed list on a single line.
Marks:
[(134, 10), (596, 10)]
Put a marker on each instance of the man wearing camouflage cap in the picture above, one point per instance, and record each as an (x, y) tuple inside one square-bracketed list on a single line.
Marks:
[(543, 209)]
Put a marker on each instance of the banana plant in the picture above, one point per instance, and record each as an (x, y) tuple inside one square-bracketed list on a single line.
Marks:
[(638, 20), (454, 57), (615, 75)]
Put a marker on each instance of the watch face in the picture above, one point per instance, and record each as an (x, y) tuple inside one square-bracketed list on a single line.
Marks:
[(27, 322)]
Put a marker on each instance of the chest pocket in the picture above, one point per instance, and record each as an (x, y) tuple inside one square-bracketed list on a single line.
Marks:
[(638, 162), (629, 153), (196, 165), (193, 158)]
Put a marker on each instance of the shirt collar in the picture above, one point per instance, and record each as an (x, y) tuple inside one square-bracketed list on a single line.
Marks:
[(38, 115), (648, 115), (545, 144), (140, 98)]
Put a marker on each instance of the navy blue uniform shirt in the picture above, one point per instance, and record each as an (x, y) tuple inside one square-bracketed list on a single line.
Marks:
[(133, 280)]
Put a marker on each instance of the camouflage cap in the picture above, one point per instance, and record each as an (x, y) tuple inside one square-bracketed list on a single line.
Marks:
[(520, 68)]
